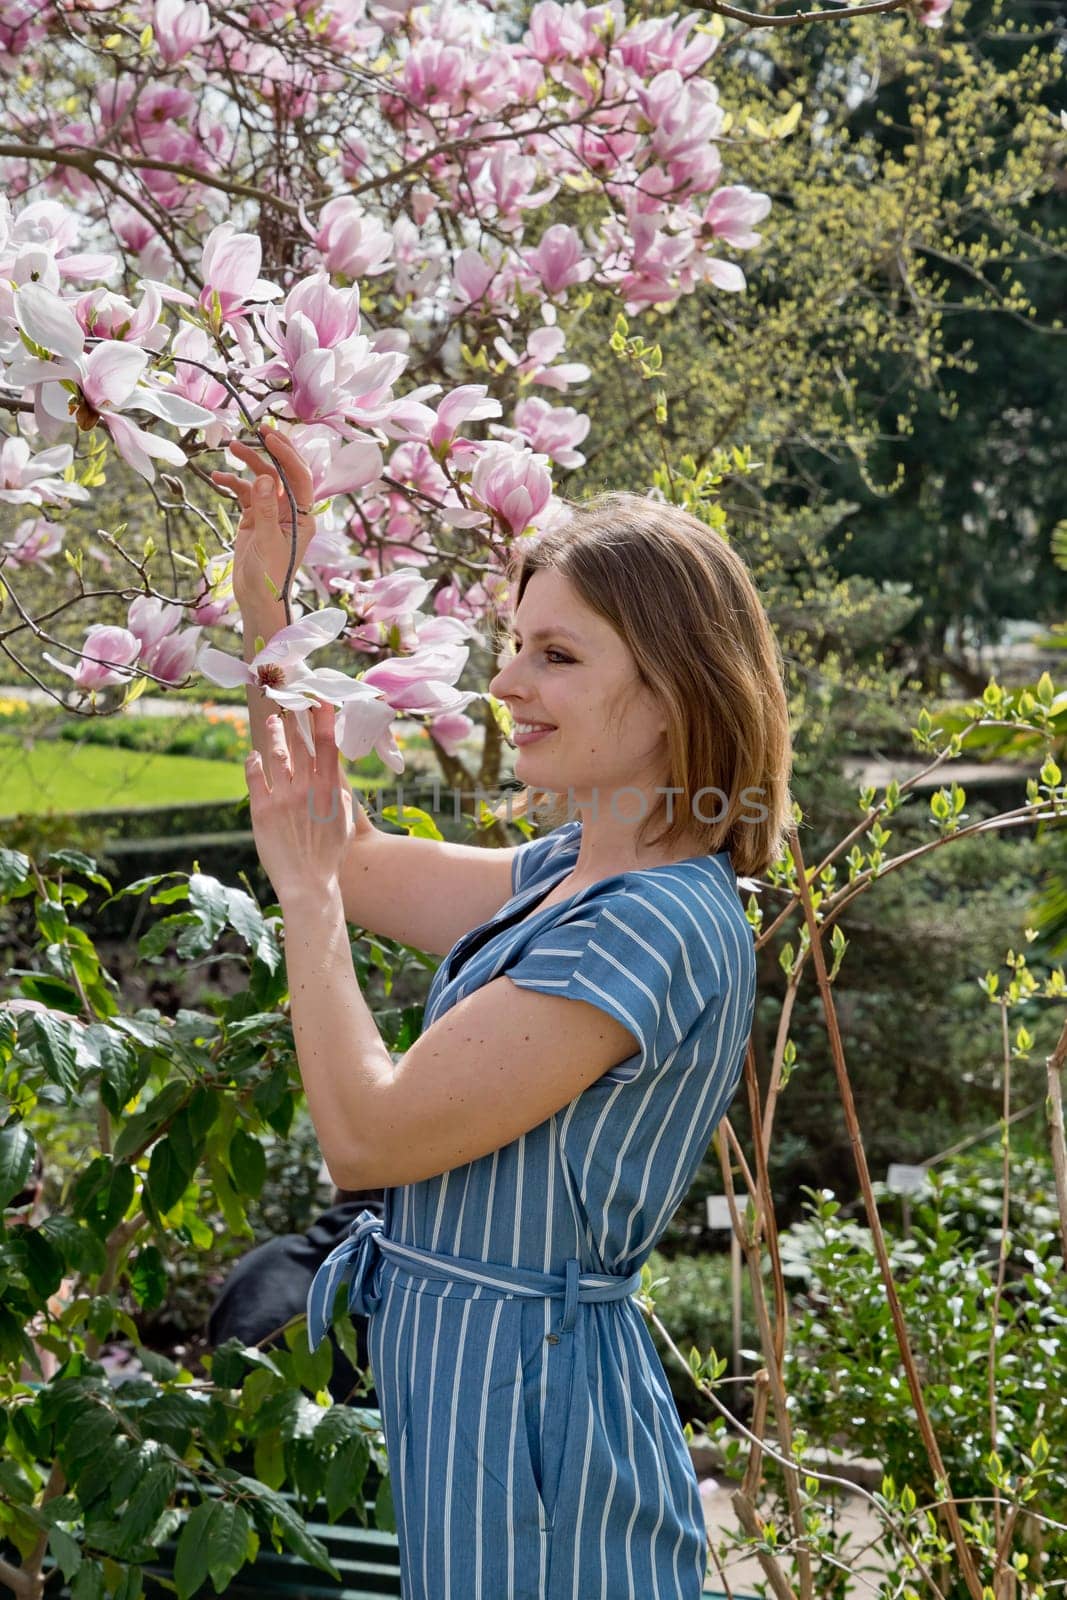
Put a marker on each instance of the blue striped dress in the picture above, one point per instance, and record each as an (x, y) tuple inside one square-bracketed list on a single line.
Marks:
[(534, 1457)]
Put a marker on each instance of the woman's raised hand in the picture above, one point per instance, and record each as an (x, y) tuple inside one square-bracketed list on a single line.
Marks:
[(264, 534)]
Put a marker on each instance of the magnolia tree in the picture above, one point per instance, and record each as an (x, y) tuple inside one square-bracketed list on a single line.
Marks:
[(371, 227), (324, 220)]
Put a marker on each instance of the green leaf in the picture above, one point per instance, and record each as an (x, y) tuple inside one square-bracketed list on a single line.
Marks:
[(56, 1041), (231, 1360), (227, 1543), (190, 1559), (81, 1249), (14, 870), (140, 1127), (248, 1163), (274, 1509), (66, 1550), (419, 824), (384, 1512), (88, 1582), (41, 1263), (79, 862), (147, 1278), (168, 1176), (268, 1458), (16, 1160), (147, 1502), (86, 1437), (345, 1476)]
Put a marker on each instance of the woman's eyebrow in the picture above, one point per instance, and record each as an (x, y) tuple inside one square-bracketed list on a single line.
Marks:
[(548, 633)]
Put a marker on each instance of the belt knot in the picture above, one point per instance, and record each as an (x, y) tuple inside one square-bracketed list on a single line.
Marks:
[(356, 1260)]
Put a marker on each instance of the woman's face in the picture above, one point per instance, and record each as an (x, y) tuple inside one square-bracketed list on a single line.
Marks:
[(571, 670)]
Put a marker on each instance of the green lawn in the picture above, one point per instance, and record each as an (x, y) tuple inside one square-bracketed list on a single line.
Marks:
[(59, 776)]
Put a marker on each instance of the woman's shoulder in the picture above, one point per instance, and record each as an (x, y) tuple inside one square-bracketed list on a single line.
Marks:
[(539, 856), (693, 903)]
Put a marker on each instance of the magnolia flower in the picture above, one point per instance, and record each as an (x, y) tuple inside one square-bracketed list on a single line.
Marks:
[(468, 403), (107, 380), (179, 26), (107, 657), (732, 211), (33, 480), (560, 259), (352, 241), (450, 730), (35, 540), (165, 652), (513, 484), (553, 431), (230, 265), (542, 348), (279, 669)]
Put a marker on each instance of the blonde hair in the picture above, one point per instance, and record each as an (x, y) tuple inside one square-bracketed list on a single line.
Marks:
[(685, 605)]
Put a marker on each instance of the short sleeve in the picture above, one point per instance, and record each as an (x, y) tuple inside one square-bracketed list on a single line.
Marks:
[(651, 957), (535, 855)]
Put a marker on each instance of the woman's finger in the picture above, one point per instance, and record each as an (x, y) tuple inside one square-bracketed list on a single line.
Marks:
[(278, 746), (228, 480), (296, 468), (256, 778)]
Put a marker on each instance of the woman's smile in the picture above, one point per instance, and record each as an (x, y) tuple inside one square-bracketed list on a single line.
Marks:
[(529, 732)]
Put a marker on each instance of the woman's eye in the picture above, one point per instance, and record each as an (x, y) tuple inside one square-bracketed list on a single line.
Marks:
[(559, 653)]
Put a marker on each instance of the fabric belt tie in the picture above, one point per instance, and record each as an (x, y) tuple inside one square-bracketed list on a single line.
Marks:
[(357, 1260)]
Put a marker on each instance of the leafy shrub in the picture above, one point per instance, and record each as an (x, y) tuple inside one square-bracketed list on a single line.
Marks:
[(157, 1131), (981, 1351)]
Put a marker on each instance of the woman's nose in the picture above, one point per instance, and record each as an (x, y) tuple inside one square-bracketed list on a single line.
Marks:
[(502, 678)]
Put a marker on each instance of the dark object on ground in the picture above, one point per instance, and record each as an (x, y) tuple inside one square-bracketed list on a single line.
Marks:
[(270, 1284)]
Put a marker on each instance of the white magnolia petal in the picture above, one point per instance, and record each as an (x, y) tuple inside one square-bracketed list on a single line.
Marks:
[(49, 321), (172, 408), (222, 668)]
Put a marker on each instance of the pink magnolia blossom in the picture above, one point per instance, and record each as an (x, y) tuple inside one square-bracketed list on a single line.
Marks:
[(683, 116), (469, 403), (512, 484), (934, 12), (173, 658), (508, 181), (570, 33), (732, 212), (107, 379), (450, 730), (351, 240), (657, 44), (542, 348), (35, 540), (553, 431), (423, 683), (105, 315), (479, 281), (107, 657), (230, 264), (280, 669), (394, 596), (364, 725), (28, 479), (433, 73), (151, 620), (560, 260), (180, 26)]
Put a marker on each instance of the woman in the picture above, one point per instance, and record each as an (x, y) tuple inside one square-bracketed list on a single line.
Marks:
[(582, 1038)]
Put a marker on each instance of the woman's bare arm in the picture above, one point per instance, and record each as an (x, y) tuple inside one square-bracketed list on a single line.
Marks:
[(424, 892)]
